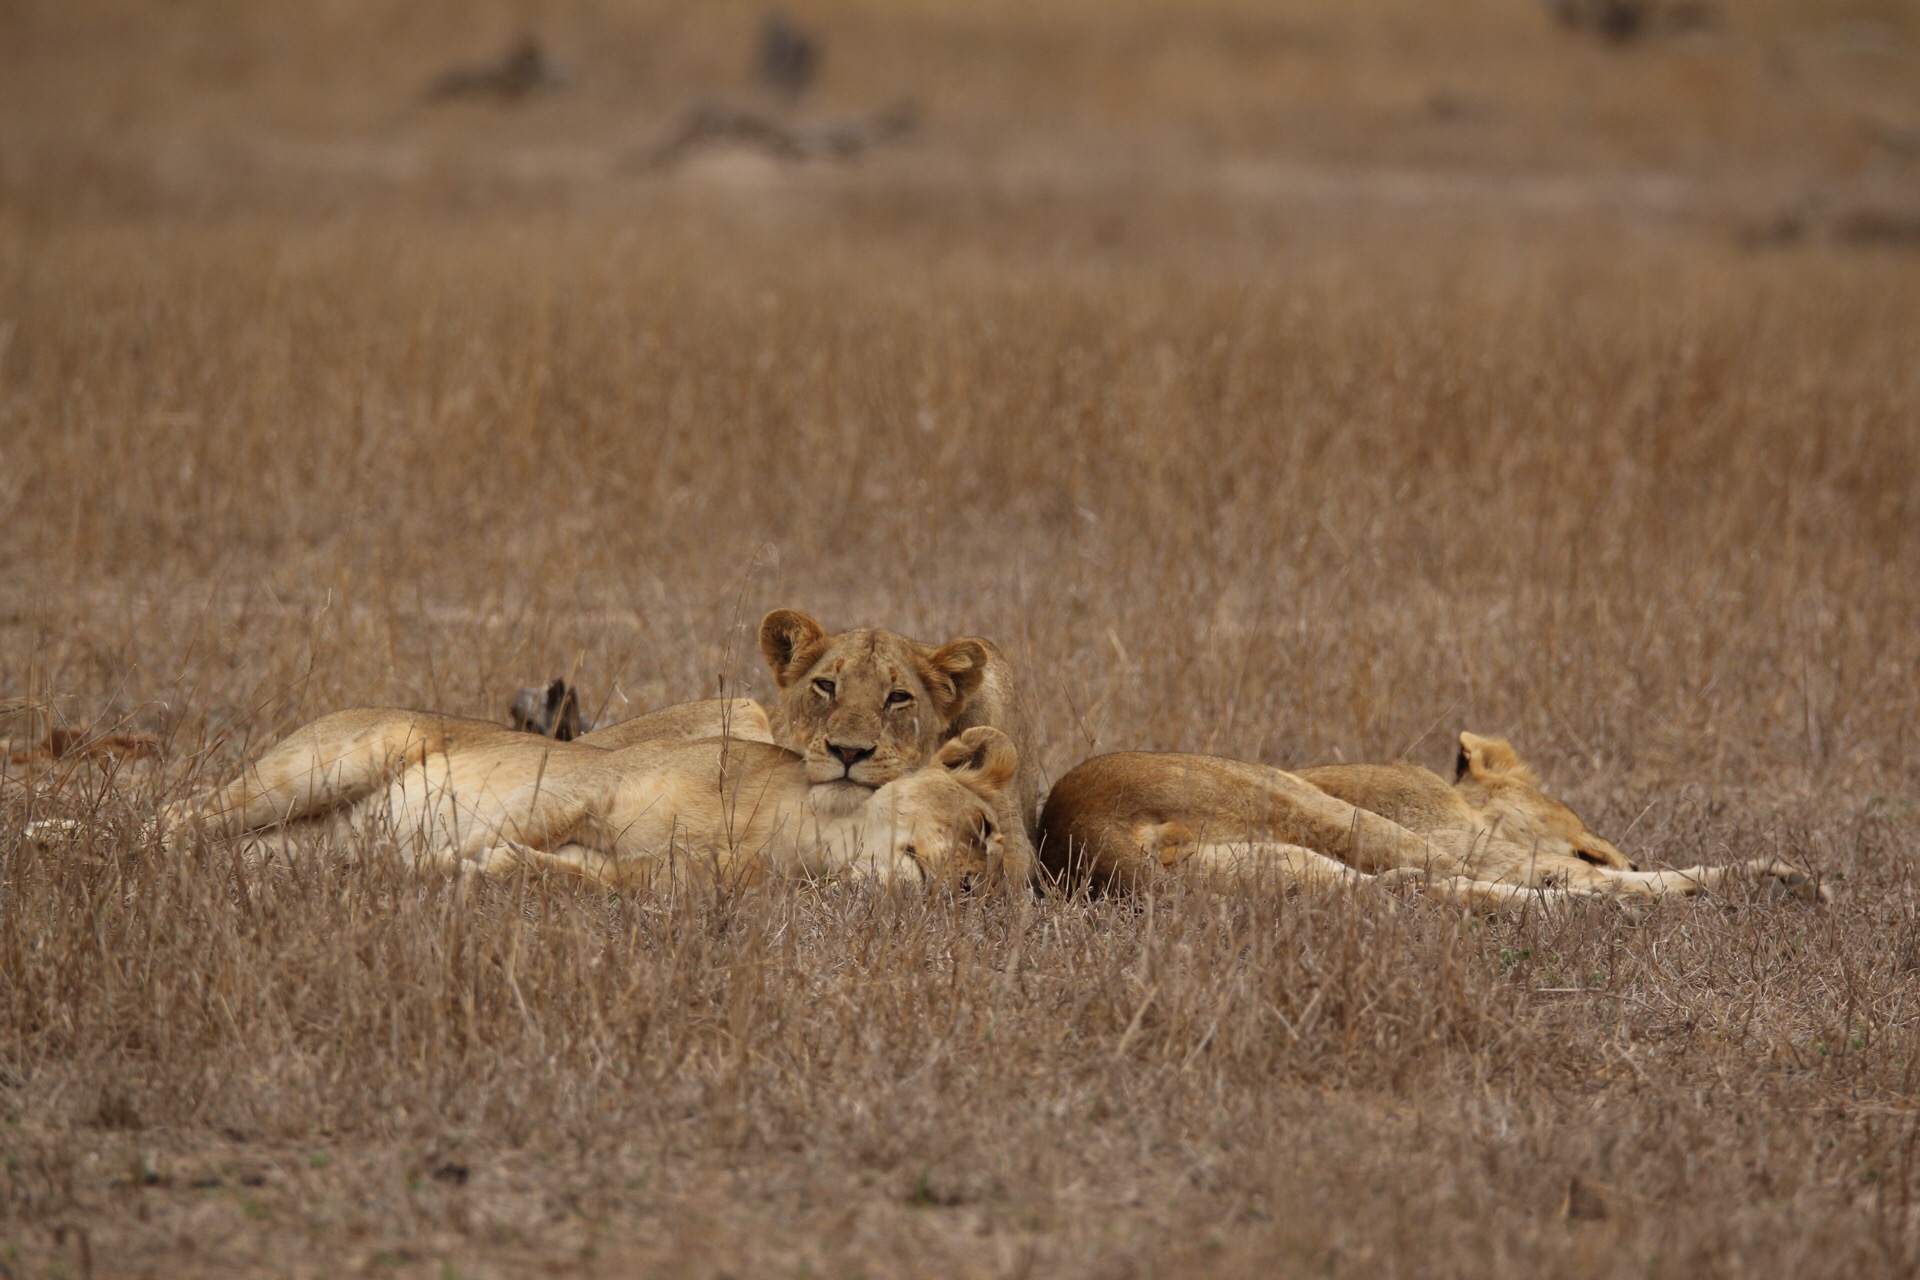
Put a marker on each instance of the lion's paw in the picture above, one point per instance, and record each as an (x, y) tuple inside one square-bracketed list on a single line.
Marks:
[(1403, 879), (1786, 879)]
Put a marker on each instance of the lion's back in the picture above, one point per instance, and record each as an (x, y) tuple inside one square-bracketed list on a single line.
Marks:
[(1416, 798)]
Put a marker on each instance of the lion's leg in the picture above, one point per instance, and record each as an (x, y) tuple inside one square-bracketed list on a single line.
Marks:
[(1238, 863), (543, 814), (1498, 862), (592, 865), (555, 825), (1253, 862), (1493, 872), (1293, 811), (1017, 853), (1494, 862), (320, 768), (600, 867), (1690, 881), (1490, 895), (1231, 800), (1482, 859), (596, 866)]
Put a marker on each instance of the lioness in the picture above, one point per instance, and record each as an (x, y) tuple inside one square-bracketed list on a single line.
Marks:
[(863, 707), (469, 793), (1492, 838)]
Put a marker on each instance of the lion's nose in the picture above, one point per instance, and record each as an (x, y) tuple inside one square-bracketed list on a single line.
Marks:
[(849, 756)]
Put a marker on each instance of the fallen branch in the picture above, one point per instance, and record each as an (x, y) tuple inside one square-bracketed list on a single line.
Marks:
[(522, 69), (710, 124)]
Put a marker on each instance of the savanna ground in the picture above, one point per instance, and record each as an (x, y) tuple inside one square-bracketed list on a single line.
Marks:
[(1301, 382)]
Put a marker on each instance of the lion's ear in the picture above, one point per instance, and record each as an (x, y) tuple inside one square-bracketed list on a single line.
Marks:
[(1487, 758), (563, 710), (551, 710), (954, 672), (982, 759), (790, 642)]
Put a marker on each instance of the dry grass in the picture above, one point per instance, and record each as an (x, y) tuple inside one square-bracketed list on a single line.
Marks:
[(1250, 404)]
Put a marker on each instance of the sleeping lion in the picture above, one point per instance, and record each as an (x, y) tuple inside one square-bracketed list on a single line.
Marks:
[(1489, 839), (471, 795)]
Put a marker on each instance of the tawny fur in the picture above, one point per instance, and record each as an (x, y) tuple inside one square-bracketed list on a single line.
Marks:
[(897, 699), (472, 794), (947, 688), (1125, 820), (739, 718), (1494, 794), (951, 687)]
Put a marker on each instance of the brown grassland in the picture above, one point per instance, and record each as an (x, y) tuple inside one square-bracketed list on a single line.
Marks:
[(1300, 382)]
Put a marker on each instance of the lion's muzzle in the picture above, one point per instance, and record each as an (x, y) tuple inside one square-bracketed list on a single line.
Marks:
[(849, 754)]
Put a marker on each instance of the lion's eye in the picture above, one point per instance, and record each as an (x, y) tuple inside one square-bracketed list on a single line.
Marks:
[(899, 698), (823, 687)]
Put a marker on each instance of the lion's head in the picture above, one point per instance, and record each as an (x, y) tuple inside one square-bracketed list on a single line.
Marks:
[(864, 707), (1492, 778), (938, 825)]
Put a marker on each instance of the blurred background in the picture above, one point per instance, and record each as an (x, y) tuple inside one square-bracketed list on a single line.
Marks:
[(1658, 107), (450, 346)]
